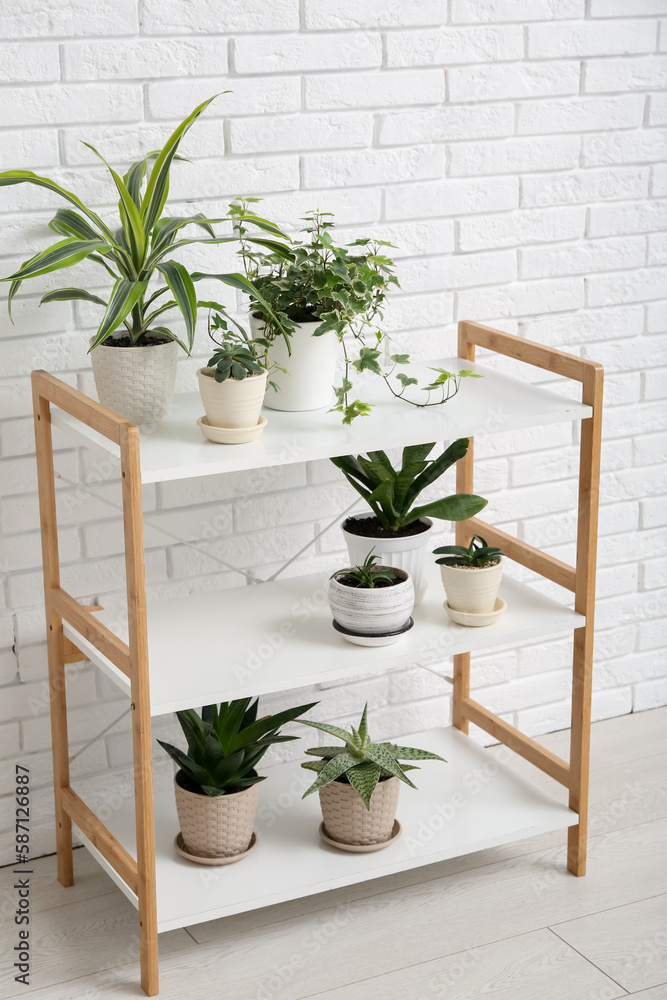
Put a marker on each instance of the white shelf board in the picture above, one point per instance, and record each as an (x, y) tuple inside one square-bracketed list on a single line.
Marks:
[(468, 804), (270, 637), (175, 448)]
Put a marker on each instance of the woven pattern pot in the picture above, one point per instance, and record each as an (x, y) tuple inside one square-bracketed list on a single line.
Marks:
[(311, 368), (234, 402), (472, 590), (372, 611), (136, 382), (346, 818), (408, 553), (216, 826)]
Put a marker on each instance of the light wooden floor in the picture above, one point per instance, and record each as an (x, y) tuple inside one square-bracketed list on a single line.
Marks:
[(506, 924)]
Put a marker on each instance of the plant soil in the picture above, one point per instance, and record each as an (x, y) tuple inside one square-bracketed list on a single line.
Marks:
[(370, 527), (349, 581), (146, 340)]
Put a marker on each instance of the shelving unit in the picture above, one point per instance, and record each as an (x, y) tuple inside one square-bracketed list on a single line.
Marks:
[(470, 804)]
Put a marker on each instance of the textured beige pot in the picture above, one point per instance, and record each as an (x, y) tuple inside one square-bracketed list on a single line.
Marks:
[(472, 590), (136, 382), (234, 402), (218, 826), (346, 818)]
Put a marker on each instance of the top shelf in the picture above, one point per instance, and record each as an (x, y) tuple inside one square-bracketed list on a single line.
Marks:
[(175, 448)]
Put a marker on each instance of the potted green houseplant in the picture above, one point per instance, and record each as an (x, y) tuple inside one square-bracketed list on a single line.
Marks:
[(358, 784), (371, 604), (471, 577), (133, 354), (397, 529), (216, 784), (232, 385), (324, 301)]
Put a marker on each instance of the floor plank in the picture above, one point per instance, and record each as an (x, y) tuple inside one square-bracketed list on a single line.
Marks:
[(629, 943), (523, 968)]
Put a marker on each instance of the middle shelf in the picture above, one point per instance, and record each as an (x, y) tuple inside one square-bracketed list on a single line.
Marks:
[(269, 637)]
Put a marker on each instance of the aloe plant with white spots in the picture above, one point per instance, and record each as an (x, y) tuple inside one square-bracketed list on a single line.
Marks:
[(139, 250), (360, 761)]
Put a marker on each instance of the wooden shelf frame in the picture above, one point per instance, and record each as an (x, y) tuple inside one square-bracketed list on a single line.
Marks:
[(131, 657)]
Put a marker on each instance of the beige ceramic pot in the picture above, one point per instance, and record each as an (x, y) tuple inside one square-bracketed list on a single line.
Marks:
[(472, 590), (234, 402), (346, 818), (216, 826), (136, 382)]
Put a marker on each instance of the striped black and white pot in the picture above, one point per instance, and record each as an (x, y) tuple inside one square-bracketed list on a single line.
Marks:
[(372, 611)]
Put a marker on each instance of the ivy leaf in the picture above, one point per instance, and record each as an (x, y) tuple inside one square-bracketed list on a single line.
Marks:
[(466, 373), (356, 409), (401, 359), (367, 361), (405, 380)]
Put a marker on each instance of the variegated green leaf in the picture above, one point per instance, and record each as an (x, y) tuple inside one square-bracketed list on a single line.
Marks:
[(124, 297), (336, 731), (67, 222), (129, 213), (410, 753), (325, 751), (63, 254), (183, 291), (9, 177), (332, 770), (363, 725), (66, 294), (164, 231), (383, 758), (157, 188), (364, 778)]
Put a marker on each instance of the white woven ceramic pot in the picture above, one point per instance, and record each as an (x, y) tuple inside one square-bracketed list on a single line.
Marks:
[(346, 818), (470, 589), (310, 367), (216, 826), (234, 402), (136, 382), (407, 552), (372, 611)]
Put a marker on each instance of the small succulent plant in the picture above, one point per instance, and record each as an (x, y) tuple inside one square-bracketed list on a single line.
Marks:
[(226, 743), (473, 556), (360, 761), (236, 355), (368, 575)]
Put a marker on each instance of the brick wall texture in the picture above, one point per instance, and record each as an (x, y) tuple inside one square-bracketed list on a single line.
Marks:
[(515, 154)]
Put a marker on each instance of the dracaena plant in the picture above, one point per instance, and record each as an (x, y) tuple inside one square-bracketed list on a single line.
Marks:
[(359, 761), (138, 251), (475, 556), (226, 743), (392, 494)]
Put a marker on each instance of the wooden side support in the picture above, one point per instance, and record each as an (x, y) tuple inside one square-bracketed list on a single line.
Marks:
[(72, 653), (579, 579), (131, 658)]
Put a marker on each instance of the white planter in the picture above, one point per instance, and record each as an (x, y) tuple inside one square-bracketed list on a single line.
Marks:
[(472, 590), (408, 552), (311, 368), (234, 402), (136, 382), (372, 611)]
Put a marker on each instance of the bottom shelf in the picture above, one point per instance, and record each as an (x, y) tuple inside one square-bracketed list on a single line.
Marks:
[(469, 804)]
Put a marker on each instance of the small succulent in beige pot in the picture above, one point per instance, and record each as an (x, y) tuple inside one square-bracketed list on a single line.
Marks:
[(358, 785), (233, 384), (471, 575), (216, 784)]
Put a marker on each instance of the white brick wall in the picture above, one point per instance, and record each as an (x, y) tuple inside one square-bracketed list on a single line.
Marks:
[(514, 151)]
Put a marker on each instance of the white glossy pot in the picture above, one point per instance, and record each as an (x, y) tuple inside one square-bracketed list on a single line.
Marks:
[(472, 590), (311, 368), (136, 382), (234, 402), (407, 553), (372, 611)]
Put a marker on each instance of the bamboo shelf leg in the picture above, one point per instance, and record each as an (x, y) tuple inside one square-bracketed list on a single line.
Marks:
[(141, 715), (54, 634), (584, 603)]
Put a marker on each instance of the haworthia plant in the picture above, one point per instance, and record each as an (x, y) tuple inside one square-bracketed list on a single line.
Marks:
[(226, 743), (135, 252), (360, 761)]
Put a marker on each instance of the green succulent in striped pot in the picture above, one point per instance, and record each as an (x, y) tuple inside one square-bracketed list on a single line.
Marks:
[(360, 762), (141, 249)]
